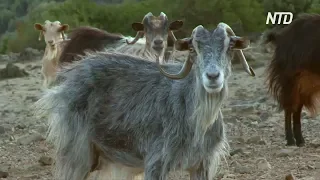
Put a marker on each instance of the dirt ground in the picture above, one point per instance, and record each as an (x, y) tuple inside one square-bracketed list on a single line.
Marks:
[(254, 124)]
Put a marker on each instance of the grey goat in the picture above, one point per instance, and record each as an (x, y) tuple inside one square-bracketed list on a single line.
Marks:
[(124, 115)]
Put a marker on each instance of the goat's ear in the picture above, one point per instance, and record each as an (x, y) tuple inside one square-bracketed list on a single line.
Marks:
[(38, 26), (63, 27), (175, 25), (238, 43), (182, 44), (137, 26)]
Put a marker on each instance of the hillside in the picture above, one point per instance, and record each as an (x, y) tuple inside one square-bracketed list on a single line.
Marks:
[(245, 17)]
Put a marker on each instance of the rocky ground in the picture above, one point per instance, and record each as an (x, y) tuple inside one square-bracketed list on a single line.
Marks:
[(254, 125)]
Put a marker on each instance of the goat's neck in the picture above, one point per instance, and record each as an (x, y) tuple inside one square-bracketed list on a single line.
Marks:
[(51, 52), (148, 53)]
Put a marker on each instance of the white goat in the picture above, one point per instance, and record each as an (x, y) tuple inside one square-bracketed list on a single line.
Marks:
[(53, 33)]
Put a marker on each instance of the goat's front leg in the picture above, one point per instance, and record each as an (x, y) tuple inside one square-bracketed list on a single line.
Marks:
[(288, 128), (297, 127), (153, 172)]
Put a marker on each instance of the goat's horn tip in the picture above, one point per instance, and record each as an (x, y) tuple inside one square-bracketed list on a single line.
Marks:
[(252, 73), (128, 41)]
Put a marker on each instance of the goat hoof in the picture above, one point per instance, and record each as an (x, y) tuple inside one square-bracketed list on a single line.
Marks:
[(291, 142), (300, 143)]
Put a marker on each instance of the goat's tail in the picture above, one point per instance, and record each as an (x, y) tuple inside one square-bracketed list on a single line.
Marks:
[(69, 132)]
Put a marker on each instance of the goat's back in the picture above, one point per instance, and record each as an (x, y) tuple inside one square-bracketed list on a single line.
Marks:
[(85, 38), (296, 56), (297, 45)]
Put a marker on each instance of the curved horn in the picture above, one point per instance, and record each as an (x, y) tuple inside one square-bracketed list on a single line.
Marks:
[(171, 34), (146, 18), (138, 36), (148, 14), (63, 36), (185, 70), (40, 35), (163, 14), (243, 60)]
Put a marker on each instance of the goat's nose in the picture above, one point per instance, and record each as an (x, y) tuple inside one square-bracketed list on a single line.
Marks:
[(158, 42), (213, 75), (51, 41)]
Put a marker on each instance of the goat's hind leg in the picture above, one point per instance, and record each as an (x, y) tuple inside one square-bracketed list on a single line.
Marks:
[(199, 174), (115, 171), (297, 126), (288, 128)]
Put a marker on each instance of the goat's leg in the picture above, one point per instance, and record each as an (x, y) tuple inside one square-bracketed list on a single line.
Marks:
[(199, 174), (288, 128), (44, 77), (116, 171), (297, 126), (153, 171)]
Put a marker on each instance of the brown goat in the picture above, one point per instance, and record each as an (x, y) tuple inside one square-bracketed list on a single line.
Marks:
[(156, 30), (294, 73)]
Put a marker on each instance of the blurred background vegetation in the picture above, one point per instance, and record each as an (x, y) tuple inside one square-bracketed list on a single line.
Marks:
[(246, 17)]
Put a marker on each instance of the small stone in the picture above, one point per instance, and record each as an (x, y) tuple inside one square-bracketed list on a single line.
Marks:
[(317, 165), (27, 139), (254, 118), (41, 129), (245, 108), (45, 160), (240, 140), (262, 142), (236, 151), (30, 177), (315, 143), (263, 164), (2, 130), (230, 176), (254, 140), (31, 98), (284, 153), (21, 126), (3, 174), (310, 167), (308, 178), (12, 71), (265, 116), (242, 169)]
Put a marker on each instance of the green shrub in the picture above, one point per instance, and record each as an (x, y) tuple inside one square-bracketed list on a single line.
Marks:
[(244, 16)]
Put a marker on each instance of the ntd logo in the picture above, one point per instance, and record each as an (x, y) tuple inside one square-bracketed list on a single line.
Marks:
[(287, 17)]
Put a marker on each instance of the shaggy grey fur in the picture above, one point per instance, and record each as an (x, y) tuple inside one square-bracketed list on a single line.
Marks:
[(137, 116)]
